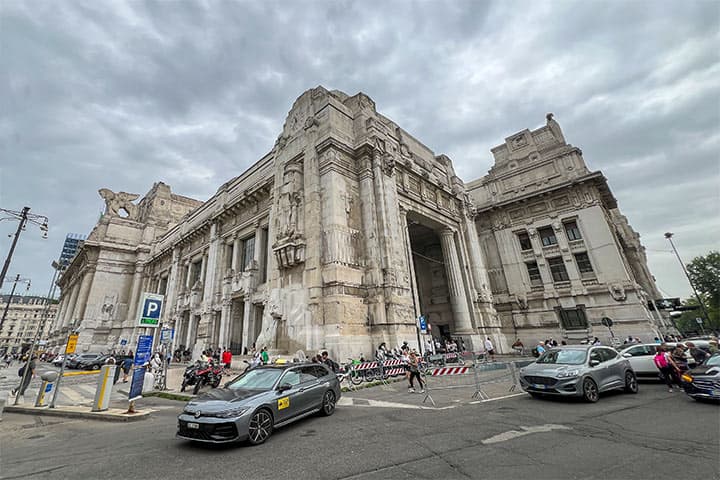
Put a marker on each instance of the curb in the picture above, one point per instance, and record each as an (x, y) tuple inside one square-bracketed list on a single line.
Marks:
[(60, 412)]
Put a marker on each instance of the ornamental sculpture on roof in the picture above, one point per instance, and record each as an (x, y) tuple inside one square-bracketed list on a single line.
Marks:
[(115, 203)]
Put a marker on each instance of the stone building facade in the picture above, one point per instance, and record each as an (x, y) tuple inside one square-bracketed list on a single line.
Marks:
[(337, 239), (560, 255), (23, 320)]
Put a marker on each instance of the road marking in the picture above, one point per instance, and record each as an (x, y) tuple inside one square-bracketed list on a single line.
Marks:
[(511, 434), (75, 374), (72, 395), (361, 402), (498, 398)]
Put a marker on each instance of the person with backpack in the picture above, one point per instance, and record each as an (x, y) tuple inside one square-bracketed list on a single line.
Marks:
[(25, 377), (664, 365)]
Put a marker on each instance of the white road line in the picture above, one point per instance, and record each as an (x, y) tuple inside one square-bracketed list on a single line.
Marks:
[(498, 398), (511, 434), (88, 390), (349, 402)]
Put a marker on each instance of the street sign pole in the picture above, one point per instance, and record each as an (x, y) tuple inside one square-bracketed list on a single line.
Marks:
[(69, 348)]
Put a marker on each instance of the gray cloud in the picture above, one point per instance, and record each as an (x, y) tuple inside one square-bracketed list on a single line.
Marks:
[(119, 95)]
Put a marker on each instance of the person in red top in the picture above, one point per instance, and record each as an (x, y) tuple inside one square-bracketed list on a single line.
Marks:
[(227, 358)]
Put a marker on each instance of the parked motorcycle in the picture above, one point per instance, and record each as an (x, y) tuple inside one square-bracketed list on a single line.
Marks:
[(209, 374), (190, 375)]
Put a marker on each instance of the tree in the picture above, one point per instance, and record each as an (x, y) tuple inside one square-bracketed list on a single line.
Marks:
[(704, 273)]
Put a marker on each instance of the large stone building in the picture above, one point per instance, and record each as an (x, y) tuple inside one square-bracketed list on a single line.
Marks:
[(348, 229), (25, 316)]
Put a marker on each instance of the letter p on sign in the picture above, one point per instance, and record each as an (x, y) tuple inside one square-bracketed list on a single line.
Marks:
[(151, 310)]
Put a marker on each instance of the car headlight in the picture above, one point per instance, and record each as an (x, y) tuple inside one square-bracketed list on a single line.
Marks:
[(236, 412), (569, 373)]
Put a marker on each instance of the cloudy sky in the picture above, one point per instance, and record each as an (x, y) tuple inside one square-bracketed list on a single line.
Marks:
[(122, 94)]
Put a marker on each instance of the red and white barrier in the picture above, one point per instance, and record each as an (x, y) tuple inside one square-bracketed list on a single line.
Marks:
[(365, 366), (436, 372), (395, 371), (390, 363)]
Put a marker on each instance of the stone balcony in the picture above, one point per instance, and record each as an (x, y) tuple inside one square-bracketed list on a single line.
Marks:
[(246, 281)]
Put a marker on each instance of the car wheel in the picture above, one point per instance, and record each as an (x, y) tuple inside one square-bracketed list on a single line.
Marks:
[(328, 404), (260, 427), (196, 389), (631, 383), (590, 391)]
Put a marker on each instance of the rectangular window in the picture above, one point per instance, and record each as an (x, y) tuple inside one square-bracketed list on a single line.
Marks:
[(229, 251), (195, 269), (572, 230), (264, 255), (162, 288), (584, 265), (572, 318), (248, 252), (534, 273), (547, 235), (524, 239), (557, 268)]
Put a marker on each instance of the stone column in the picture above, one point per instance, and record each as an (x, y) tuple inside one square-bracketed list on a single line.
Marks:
[(85, 291), (458, 299), (210, 263), (477, 261), (236, 255), (72, 303), (172, 287), (225, 319), (248, 324)]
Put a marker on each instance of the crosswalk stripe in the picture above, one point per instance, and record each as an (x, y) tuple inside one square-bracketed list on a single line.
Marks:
[(72, 395)]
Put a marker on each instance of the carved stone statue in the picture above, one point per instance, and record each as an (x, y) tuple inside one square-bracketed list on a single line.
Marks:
[(115, 202), (554, 128)]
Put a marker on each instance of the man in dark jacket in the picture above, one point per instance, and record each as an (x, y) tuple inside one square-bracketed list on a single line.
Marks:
[(329, 362)]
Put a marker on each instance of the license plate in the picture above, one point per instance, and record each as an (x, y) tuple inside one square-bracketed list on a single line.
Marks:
[(539, 387), (193, 425)]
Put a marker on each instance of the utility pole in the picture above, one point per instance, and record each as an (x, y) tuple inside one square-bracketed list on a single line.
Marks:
[(21, 226), (12, 292), (669, 236), (43, 318), (24, 216)]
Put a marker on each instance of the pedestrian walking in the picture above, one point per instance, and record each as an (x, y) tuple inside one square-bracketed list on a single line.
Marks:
[(698, 354), (26, 374), (264, 356), (414, 369), (664, 366), (490, 349), (331, 364), (125, 366), (227, 358)]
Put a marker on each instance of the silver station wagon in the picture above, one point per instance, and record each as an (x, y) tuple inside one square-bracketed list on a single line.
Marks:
[(251, 406), (582, 371)]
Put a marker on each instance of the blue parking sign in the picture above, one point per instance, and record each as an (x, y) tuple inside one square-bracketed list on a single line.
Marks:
[(423, 323), (150, 310)]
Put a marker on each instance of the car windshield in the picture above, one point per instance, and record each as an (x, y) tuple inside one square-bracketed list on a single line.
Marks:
[(259, 379), (714, 360), (563, 357)]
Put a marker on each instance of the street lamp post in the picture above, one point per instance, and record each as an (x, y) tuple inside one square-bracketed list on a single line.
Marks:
[(12, 293), (24, 216), (43, 319), (669, 236)]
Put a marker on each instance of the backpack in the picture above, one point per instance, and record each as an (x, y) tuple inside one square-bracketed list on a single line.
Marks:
[(21, 372), (660, 360)]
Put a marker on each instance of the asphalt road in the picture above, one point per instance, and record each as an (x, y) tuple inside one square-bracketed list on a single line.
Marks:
[(652, 434)]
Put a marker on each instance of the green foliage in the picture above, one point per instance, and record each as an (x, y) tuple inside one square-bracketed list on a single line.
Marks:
[(704, 272)]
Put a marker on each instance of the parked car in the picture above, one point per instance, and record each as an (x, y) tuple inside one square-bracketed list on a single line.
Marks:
[(83, 357), (59, 359), (641, 358), (578, 370), (252, 405), (703, 382), (97, 362)]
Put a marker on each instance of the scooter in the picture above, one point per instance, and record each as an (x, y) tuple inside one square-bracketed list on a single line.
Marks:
[(190, 375), (210, 374)]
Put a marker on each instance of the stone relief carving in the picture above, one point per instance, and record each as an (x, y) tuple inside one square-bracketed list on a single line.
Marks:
[(518, 142), (116, 202), (618, 292), (555, 128), (388, 164), (522, 301)]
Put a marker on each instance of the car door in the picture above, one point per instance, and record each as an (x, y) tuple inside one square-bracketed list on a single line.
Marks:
[(614, 367), (311, 387), (597, 372), (288, 403), (641, 360)]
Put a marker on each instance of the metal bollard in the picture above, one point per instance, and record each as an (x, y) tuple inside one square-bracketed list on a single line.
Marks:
[(46, 387), (104, 388)]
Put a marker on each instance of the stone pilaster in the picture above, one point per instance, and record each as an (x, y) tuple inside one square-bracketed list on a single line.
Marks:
[(456, 288)]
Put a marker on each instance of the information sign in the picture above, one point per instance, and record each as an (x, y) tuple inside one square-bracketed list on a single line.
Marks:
[(150, 310)]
